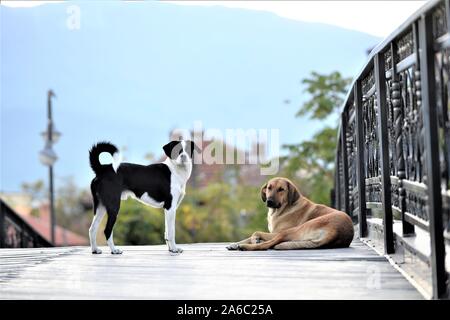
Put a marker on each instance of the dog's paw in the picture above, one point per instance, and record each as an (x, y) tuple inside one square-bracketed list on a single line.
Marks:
[(255, 240), (176, 250), (242, 247), (116, 251), (233, 246), (96, 251)]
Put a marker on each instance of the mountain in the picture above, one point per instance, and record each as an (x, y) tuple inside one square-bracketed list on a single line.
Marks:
[(134, 71)]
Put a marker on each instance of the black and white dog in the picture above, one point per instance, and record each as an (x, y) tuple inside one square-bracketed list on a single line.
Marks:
[(160, 185)]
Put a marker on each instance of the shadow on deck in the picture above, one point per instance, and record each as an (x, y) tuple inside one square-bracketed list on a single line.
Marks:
[(202, 271)]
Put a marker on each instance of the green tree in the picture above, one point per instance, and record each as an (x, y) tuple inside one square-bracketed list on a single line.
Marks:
[(138, 224), (69, 209), (36, 190), (311, 162), (327, 94)]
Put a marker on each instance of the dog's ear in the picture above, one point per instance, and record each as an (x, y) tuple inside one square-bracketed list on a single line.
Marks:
[(193, 147), (293, 193), (168, 148), (263, 192)]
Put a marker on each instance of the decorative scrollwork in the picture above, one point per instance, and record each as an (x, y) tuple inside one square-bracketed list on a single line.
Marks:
[(351, 158), (405, 46), (412, 129), (371, 139), (395, 193), (406, 142), (15, 237), (368, 83), (395, 127), (439, 21), (373, 190), (387, 60), (416, 203), (370, 113)]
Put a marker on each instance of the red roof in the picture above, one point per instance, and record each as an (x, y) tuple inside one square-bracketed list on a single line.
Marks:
[(63, 237)]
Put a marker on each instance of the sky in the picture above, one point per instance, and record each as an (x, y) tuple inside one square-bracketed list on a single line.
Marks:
[(346, 14)]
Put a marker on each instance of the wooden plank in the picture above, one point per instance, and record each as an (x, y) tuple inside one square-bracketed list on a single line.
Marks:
[(202, 271)]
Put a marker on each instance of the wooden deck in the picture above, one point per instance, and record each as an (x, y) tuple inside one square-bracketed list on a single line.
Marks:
[(202, 271)]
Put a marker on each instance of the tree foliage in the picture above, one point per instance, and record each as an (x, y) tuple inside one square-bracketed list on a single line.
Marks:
[(327, 94), (312, 161), (36, 190)]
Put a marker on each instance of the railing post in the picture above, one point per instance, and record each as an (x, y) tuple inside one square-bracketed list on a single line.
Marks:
[(360, 162), (430, 122), (344, 161), (380, 83)]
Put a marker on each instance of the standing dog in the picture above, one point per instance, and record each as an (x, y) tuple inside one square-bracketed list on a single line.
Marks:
[(297, 223), (160, 185)]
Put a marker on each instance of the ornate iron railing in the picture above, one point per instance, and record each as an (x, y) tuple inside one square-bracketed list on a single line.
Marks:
[(394, 150), (16, 233)]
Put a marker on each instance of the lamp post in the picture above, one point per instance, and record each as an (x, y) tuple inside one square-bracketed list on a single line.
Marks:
[(48, 157)]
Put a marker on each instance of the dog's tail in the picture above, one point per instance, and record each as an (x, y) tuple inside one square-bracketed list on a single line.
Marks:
[(94, 153)]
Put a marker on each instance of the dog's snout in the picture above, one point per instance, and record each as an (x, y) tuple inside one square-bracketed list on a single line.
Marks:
[(183, 157), (270, 203)]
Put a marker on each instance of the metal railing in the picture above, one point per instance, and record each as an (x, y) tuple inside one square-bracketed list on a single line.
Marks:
[(394, 137), (16, 233)]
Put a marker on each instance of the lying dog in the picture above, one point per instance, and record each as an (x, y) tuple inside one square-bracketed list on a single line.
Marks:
[(160, 185), (297, 223)]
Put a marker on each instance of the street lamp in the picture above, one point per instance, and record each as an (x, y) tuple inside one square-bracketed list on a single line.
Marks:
[(48, 157)]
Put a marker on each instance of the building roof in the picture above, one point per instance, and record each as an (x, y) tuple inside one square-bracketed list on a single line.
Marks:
[(63, 236)]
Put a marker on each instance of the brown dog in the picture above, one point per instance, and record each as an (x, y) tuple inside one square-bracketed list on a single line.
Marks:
[(297, 223)]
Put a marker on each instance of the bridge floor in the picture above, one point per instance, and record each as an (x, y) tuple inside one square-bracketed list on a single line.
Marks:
[(202, 271)]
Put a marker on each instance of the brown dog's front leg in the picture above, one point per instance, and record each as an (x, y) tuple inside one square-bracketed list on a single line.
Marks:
[(264, 236), (256, 238), (276, 239), (235, 246)]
